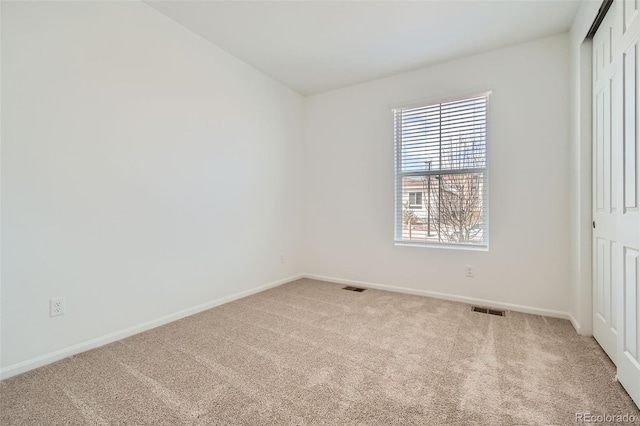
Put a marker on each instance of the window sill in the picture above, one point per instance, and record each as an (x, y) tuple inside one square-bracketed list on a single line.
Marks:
[(444, 246)]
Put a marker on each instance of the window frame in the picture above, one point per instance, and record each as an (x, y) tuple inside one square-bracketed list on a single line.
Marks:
[(398, 175)]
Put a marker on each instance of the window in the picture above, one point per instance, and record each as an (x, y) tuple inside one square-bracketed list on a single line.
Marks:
[(415, 200), (441, 173)]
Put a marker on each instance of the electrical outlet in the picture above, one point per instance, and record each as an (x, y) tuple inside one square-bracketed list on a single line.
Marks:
[(56, 306), (469, 271), (282, 258)]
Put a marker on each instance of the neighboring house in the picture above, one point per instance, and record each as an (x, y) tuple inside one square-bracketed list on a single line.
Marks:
[(442, 214)]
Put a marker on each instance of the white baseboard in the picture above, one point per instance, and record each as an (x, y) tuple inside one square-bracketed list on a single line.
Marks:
[(30, 364), (576, 325), (452, 297)]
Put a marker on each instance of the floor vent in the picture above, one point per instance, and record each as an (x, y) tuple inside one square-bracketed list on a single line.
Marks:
[(358, 289), (488, 311)]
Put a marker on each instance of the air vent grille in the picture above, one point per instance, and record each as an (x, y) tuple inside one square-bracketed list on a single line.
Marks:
[(358, 289), (489, 311)]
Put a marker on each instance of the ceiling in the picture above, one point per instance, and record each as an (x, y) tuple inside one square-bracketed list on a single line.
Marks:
[(315, 46)]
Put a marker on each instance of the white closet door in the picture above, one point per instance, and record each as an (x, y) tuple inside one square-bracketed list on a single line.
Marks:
[(606, 135), (626, 158), (616, 197)]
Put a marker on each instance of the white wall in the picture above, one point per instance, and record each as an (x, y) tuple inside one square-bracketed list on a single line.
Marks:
[(350, 183), (144, 172), (147, 174), (580, 166)]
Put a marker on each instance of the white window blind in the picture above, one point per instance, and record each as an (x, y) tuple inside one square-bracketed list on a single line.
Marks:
[(441, 154)]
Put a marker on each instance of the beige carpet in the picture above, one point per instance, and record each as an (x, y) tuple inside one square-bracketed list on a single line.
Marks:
[(311, 353)]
